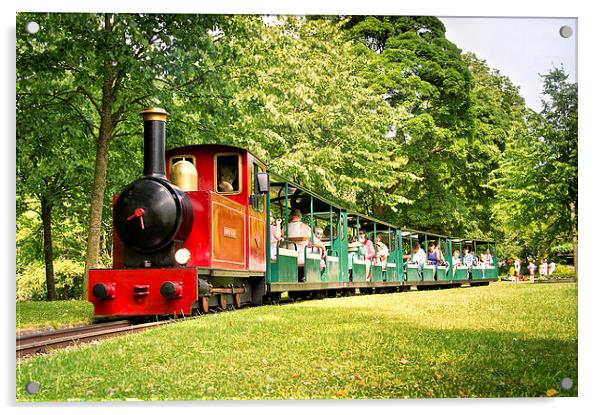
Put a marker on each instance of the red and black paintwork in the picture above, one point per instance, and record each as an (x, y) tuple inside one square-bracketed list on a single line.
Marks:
[(224, 234), (137, 292)]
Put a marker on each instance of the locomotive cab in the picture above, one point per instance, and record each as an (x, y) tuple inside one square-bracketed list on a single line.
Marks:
[(223, 184)]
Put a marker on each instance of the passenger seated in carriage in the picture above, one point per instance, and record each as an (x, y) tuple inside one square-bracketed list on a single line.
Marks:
[(441, 257), (356, 250), (483, 259), (275, 235), (488, 258), (299, 235), (468, 260), (319, 245), (370, 253), (419, 257), (456, 261), (382, 252), (432, 256)]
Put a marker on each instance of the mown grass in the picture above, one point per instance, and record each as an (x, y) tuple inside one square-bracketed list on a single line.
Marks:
[(502, 340), (52, 314)]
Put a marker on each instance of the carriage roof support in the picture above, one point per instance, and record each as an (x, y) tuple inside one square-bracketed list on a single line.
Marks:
[(286, 213), (331, 228)]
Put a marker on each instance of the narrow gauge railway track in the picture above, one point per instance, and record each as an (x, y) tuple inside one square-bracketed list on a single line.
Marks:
[(43, 341)]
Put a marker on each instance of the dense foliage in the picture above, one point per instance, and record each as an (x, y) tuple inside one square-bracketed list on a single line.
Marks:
[(381, 114), (537, 179)]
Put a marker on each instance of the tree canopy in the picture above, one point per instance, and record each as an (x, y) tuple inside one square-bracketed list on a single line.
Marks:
[(537, 179)]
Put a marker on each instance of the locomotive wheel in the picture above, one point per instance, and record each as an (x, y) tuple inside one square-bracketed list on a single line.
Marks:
[(204, 305), (223, 302)]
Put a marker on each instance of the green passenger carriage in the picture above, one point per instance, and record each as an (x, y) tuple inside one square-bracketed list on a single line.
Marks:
[(297, 266)]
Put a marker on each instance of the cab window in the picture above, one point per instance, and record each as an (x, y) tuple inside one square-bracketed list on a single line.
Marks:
[(227, 173), (257, 199)]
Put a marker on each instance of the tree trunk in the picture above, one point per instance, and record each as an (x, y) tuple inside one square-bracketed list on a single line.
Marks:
[(100, 169), (48, 256), (574, 236), (98, 188)]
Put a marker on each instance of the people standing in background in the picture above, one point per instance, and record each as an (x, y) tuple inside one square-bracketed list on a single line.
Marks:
[(517, 268), (532, 267), (543, 268), (551, 268)]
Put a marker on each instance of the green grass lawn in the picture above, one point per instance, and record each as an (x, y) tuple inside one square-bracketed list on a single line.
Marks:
[(53, 314), (501, 340)]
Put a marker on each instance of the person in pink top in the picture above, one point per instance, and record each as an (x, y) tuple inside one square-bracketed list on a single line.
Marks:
[(370, 252)]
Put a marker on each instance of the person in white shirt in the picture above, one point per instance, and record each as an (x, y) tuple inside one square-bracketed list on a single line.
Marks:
[(419, 255), (551, 268), (543, 268), (300, 232), (517, 268)]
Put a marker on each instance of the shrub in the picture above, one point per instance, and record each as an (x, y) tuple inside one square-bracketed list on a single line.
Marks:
[(563, 269), (68, 278)]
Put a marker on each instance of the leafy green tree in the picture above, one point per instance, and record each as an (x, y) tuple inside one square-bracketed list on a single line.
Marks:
[(422, 75), (537, 179), (53, 159), (121, 63), (303, 107), (499, 113), (559, 130)]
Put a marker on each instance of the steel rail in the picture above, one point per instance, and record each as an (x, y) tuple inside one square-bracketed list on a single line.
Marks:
[(42, 342)]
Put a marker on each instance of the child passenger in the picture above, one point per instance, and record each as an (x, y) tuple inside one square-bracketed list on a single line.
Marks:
[(382, 252), (456, 261)]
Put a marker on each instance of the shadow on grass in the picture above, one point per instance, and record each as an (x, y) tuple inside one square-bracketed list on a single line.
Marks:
[(424, 361)]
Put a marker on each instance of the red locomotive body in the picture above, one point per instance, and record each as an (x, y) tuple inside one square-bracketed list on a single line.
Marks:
[(188, 239)]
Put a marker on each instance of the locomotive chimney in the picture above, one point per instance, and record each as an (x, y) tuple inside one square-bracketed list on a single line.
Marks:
[(154, 141)]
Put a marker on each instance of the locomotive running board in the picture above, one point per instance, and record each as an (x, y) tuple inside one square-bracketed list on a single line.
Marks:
[(211, 272)]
